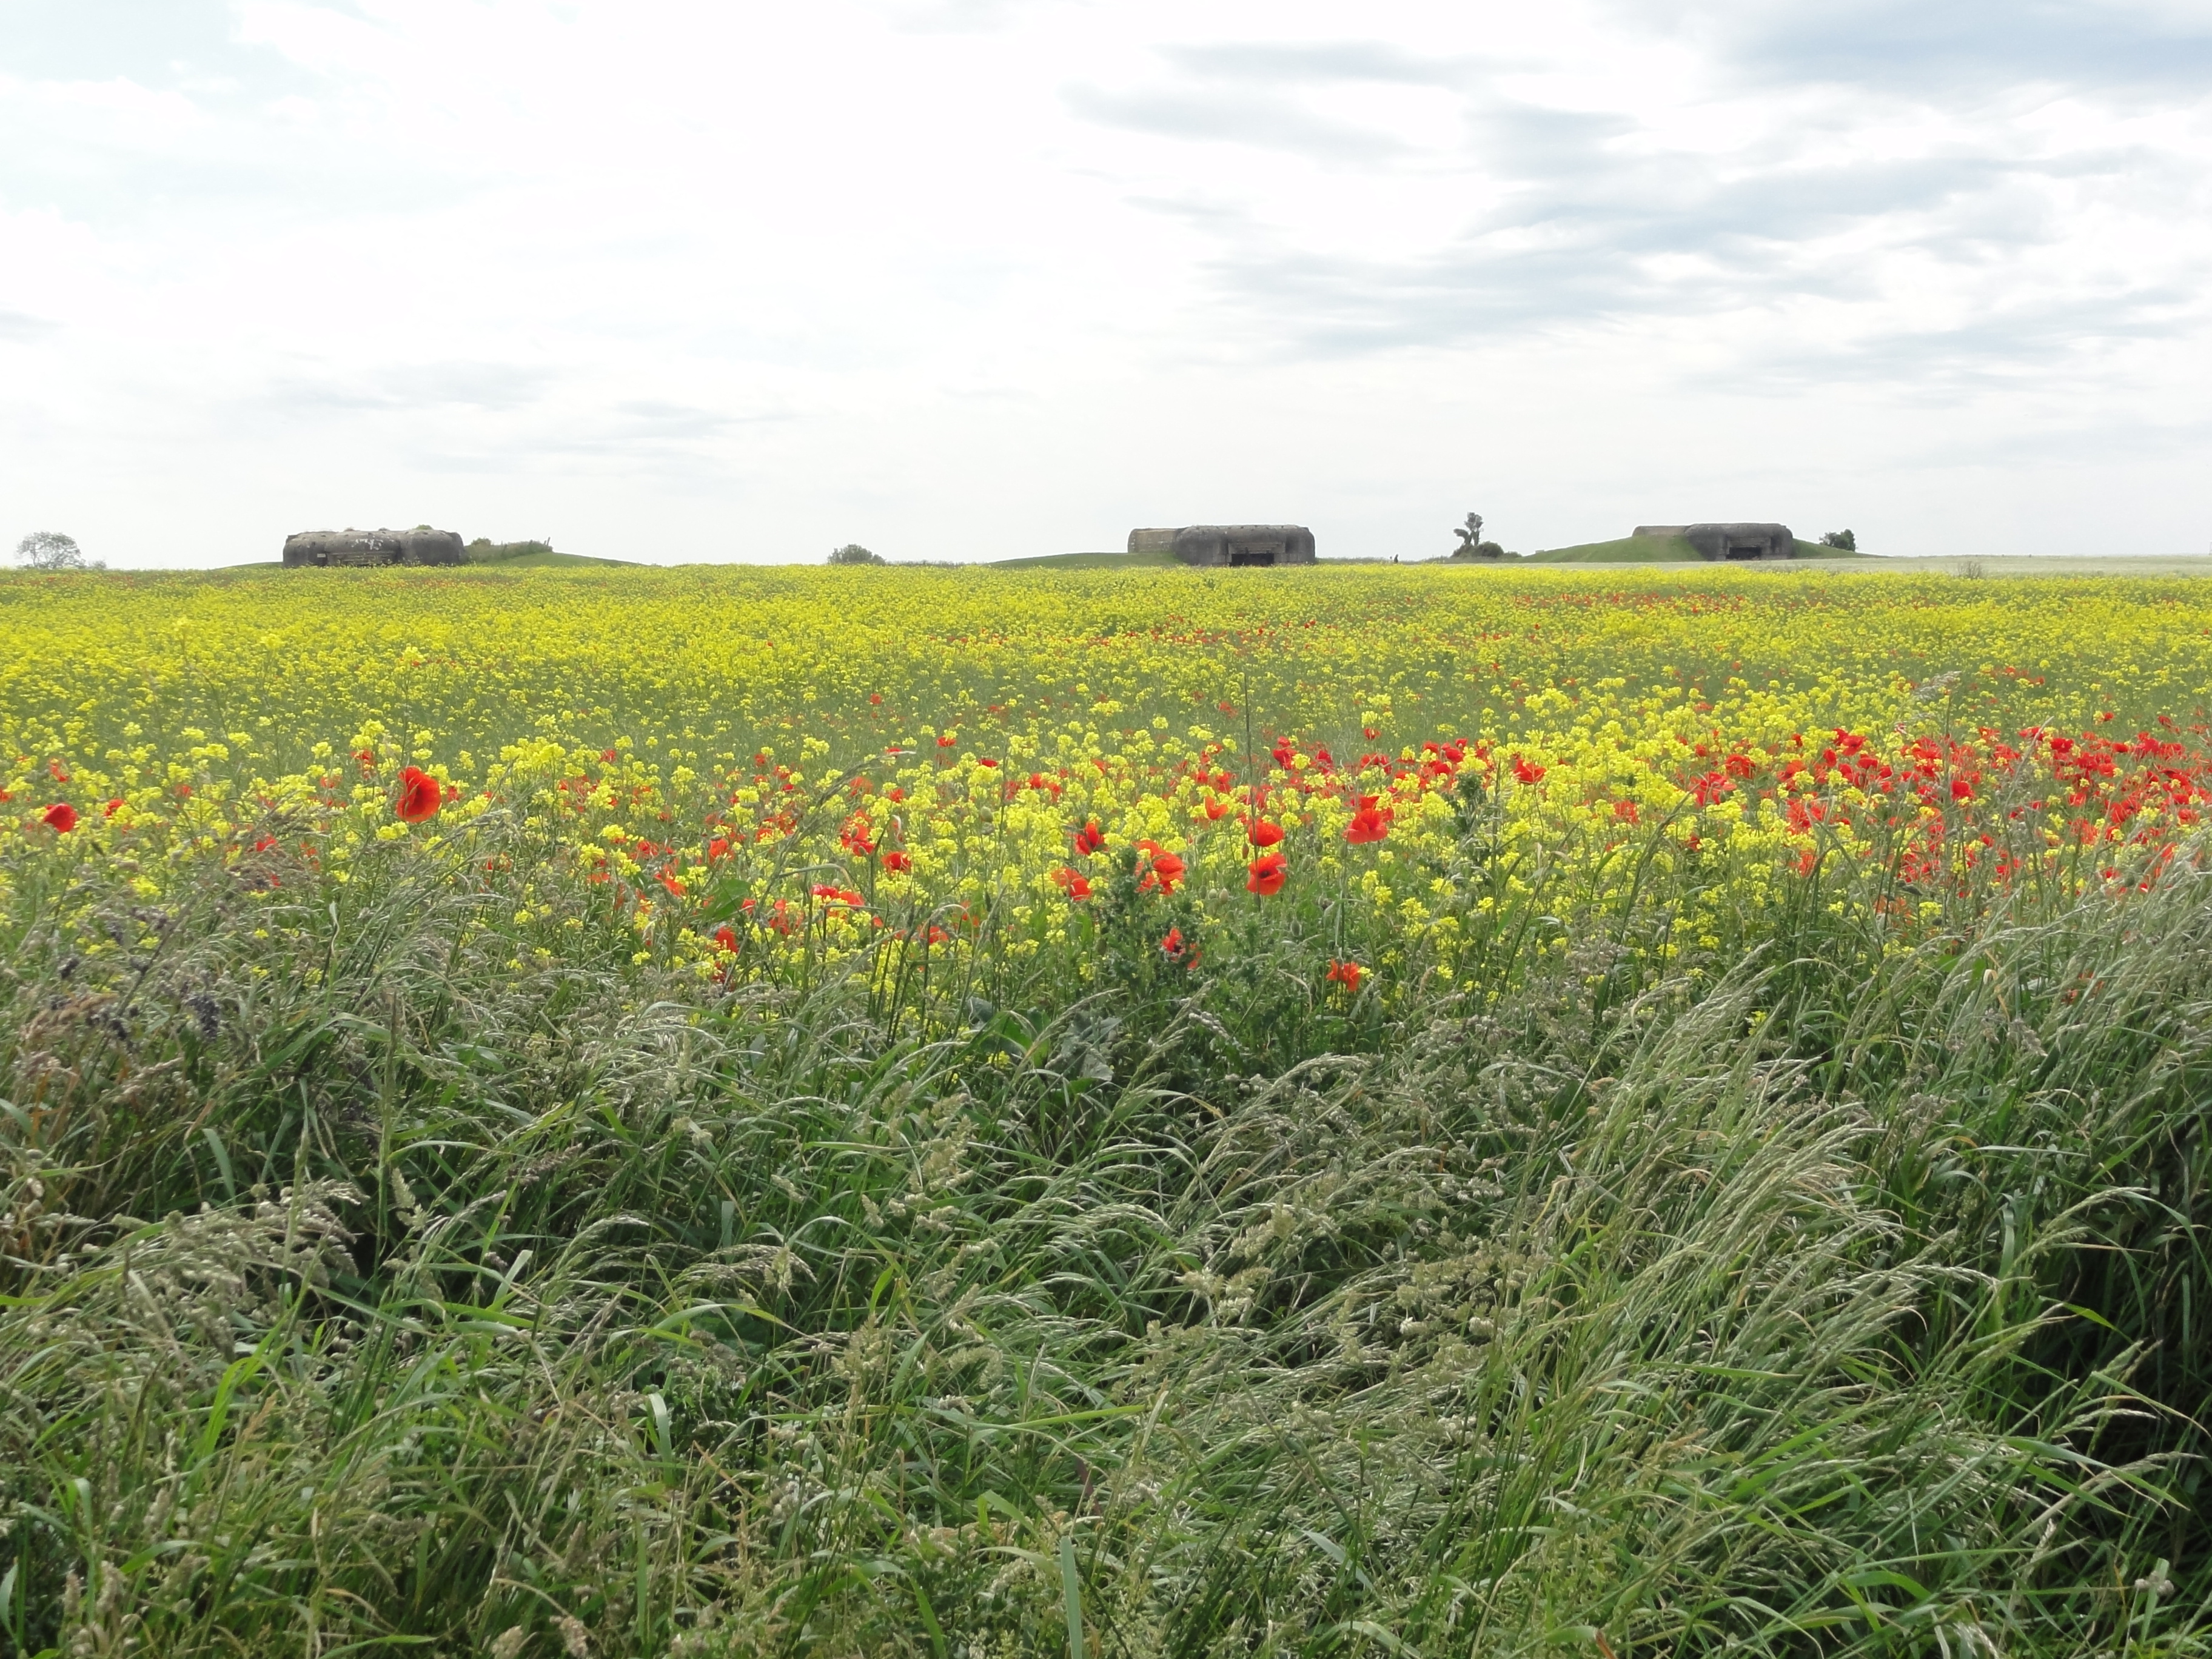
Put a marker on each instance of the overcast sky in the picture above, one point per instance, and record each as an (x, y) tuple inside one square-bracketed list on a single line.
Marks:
[(718, 279)]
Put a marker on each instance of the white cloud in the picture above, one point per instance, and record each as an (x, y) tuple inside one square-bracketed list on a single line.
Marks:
[(670, 279)]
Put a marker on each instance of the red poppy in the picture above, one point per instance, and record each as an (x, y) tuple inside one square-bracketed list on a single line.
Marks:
[(1075, 886), (420, 797), (1265, 874), (61, 817), (898, 862), (726, 939), (1217, 809), (1371, 823), (1961, 790), (1346, 973), (1527, 771), (1264, 833), (1172, 946), (1089, 838), (947, 741), (1165, 869), (718, 849)]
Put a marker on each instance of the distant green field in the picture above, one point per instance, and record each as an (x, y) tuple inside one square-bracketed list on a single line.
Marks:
[(1084, 561), (1628, 550), (547, 561)]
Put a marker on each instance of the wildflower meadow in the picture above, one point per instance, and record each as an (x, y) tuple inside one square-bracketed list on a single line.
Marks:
[(1408, 1110)]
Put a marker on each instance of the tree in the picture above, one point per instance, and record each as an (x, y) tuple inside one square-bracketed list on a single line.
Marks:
[(853, 553), (1471, 545), (1841, 539), (49, 549)]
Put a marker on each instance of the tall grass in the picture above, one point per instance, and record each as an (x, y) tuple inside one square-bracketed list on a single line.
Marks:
[(363, 1293)]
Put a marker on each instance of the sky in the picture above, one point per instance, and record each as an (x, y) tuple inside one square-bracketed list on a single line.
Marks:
[(674, 280)]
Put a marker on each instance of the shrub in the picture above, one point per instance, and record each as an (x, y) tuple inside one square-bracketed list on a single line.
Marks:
[(853, 553)]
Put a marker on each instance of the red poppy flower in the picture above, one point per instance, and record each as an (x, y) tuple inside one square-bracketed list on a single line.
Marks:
[(1527, 771), (1075, 886), (726, 939), (1217, 809), (1346, 973), (420, 797), (1089, 838), (1961, 790), (1164, 870), (60, 817), (1265, 874), (1371, 823), (1172, 946), (1264, 833), (898, 862), (947, 741)]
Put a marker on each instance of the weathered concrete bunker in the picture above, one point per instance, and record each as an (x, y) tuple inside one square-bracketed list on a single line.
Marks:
[(1229, 544), (1721, 542), (358, 548)]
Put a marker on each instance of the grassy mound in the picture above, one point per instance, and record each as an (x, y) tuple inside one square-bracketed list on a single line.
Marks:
[(1628, 550), (1088, 561), (549, 560)]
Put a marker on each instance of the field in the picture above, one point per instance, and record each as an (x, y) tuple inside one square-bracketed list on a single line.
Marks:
[(967, 1113)]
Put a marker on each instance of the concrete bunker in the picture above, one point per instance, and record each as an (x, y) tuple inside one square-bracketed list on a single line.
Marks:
[(1731, 542), (357, 549), (1228, 544)]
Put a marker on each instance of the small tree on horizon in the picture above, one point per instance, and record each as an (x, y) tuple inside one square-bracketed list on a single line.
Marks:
[(853, 553), (1841, 539), (49, 549)]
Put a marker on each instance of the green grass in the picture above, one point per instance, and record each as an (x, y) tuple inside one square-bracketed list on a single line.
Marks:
[(1628, 550), (550, 561), (363, 1293), (1087, 562)]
